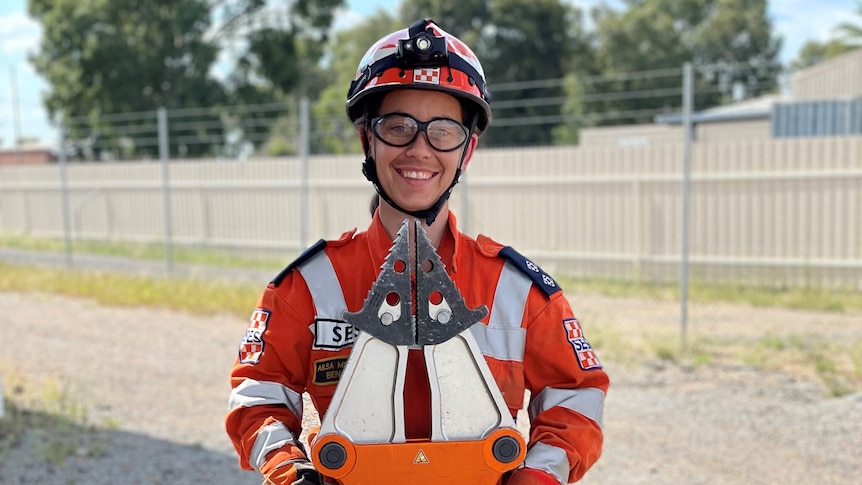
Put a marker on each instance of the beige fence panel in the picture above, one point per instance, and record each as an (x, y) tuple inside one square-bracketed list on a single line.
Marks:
[(786, 211)]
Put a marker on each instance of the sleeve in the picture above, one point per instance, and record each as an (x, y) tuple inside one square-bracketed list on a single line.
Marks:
[(264, 420), (568, 387)]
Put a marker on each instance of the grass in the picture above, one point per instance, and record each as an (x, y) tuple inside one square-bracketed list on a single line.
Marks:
[(210, 256), (838, 364), (51, 416), (801, 298), (193, 296)]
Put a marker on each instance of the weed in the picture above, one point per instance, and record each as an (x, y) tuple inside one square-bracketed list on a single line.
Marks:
[(50, 417)]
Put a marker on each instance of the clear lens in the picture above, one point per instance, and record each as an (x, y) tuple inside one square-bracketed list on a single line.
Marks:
[(396, 129)]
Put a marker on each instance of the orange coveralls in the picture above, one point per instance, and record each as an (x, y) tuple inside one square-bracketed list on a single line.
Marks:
[(296, 342)]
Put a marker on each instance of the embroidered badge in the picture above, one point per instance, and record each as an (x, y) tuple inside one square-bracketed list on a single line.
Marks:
[(328, 371), (251, 347), (427, 75), (583, 350)]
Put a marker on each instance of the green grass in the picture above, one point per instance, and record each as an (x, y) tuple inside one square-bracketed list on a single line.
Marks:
[(51, 416), (803, 298), (838, 364), (210, 256), (198, 297)]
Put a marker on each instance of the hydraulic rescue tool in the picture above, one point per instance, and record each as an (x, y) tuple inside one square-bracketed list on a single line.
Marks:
[(362, 438)]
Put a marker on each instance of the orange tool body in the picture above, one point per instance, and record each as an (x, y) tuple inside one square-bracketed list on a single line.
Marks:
[(362, 435)]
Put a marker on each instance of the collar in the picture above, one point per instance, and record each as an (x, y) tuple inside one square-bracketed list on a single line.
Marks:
[(379, 242)]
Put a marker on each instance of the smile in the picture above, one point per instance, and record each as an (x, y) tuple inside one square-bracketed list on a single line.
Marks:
[(415, 174)]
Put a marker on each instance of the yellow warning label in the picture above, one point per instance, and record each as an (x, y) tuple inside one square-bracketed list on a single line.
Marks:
[(420, 458)]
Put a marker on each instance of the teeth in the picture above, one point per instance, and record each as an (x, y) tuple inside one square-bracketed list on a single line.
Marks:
[(416, 175)]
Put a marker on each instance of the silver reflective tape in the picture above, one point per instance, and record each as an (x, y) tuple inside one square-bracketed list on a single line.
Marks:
[(500, 343), (261, 393), (510, 298), (589, 402), (271, 437), (325, 290), (549, 459)]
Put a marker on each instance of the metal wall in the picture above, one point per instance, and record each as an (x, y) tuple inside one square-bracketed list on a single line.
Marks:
[(774, 211)]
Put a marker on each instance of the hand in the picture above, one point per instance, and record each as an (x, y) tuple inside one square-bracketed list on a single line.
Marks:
[(306, 475), (284, 474)]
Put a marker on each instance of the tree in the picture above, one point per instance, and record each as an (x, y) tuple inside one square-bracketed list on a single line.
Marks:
[(280, 46), (332, 131), (528, 41), (813, 52), (851, 34), (110, 56), (730, 43)]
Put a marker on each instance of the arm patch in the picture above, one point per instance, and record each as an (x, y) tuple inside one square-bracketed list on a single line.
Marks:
[(543, 280), (305, 256)]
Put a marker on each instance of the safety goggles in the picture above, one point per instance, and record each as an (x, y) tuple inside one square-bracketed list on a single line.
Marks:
[(399, 130)]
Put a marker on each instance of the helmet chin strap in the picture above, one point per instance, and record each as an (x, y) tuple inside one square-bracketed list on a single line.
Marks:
[(429, 215)]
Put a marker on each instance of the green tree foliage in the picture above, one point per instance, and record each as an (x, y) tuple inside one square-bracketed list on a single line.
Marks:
[(528, 41), (278, 60), (851, 33), (517, 41), (108, 56), (730, 43), (332, 131), (813, 52)]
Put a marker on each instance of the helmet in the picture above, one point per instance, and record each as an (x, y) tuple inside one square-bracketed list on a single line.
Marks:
[(423, 56)]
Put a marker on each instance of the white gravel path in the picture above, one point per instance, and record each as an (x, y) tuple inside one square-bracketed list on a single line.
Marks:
[(161, 378)]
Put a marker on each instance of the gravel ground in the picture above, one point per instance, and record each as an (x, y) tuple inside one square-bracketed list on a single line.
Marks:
[(156, 382)]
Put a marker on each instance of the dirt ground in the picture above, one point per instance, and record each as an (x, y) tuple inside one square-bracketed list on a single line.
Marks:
[(155, 384)]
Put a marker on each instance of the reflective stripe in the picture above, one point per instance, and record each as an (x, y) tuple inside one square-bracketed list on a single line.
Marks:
[(271, 437), (500, 343), (549, 459), (325, 289), (510, 298), (261, 393), (588, 401), (503, 338)]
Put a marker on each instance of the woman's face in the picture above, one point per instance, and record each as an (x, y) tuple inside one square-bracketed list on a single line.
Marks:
[(415, 175)]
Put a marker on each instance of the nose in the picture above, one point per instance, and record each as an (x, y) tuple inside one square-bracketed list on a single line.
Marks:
[(420, 147)]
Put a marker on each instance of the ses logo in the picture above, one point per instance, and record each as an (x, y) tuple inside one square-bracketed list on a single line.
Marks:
[(583, 350), (251, 346), (330, 334)]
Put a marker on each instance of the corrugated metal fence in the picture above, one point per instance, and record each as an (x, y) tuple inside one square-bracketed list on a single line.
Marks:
[(783, 211)]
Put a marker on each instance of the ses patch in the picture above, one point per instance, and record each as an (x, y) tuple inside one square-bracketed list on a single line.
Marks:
[(328, 371), (331, 334), (583, 350), (252, 344)]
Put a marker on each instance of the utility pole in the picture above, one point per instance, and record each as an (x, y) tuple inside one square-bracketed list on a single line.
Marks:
[(16, 113)]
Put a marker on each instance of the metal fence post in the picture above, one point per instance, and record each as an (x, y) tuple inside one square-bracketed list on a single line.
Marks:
[(304, 141), (687, 107), (164, 157), (64, 196)]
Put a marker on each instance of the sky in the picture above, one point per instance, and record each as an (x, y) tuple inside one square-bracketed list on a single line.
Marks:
[(22, 111)]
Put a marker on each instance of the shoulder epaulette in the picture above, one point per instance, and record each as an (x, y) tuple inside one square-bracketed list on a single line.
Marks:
[(305, 256), (543, 280)]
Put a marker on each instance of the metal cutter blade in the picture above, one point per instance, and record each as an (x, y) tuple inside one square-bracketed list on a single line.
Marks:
[(441, 312)]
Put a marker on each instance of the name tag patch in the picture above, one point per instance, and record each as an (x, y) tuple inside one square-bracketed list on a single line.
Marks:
[(328, 371), (332, 334), (587, 358)]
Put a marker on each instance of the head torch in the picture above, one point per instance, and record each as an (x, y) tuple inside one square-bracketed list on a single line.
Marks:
[(422, 48)]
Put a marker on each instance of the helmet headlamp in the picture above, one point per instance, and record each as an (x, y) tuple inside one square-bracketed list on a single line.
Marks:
[(422, 48)]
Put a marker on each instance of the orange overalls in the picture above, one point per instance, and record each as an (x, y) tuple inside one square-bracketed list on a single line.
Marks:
[(298, 342)]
